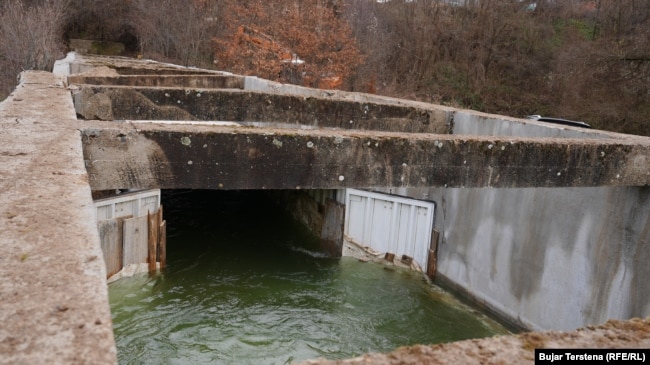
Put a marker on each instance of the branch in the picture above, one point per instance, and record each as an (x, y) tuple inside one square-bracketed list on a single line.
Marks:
[(637, 58)]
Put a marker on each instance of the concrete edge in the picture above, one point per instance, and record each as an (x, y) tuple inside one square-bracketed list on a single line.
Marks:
[(54, 307)]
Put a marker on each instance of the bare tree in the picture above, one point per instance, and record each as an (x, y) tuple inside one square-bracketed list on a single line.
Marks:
[(175, 30), (30, 38), (603, 74)]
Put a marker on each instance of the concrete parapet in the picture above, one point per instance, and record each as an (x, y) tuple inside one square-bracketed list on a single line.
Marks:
[(54, 301), (75, 63)]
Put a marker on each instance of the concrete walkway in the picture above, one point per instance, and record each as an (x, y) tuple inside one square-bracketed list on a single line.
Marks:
[(53, 295)]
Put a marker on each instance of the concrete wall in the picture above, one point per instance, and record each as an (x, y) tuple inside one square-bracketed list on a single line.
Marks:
[(555, 258), (550, 258), (321, 211), (252, 83), (544, 258), (468, 122)]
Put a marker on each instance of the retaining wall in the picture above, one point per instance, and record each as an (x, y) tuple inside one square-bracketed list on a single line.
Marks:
[(544, 258)]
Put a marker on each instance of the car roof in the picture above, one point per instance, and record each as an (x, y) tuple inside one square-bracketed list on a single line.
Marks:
[(572, 123)]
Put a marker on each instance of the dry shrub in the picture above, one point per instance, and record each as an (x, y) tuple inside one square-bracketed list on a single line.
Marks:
[(176, 31), (583, 60), (30, 38)]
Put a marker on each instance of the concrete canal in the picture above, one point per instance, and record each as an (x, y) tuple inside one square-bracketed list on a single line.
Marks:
[(245, 284)]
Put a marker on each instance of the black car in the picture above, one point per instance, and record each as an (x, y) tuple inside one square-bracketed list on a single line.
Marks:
[(571, 123)]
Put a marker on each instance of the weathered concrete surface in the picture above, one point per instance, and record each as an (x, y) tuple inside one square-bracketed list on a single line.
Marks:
[(53, 296), (319, 212), (213, 156), (145, 103), (520, 349), (209, 81), (472, 123), (546, 258), (77, 64)]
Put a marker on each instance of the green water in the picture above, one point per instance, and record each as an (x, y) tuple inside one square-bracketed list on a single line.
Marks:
[(244, 285)]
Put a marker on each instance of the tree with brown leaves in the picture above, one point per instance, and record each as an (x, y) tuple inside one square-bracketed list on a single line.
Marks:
[(301, 42)]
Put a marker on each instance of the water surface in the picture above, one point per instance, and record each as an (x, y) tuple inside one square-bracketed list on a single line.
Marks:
[(244, 285)]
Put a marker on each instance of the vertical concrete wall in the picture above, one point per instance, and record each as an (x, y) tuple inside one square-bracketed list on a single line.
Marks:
[(473, 123), (320, 211), (545, 258)]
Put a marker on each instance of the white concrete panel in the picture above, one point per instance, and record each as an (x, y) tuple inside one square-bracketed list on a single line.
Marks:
[(356, 207)]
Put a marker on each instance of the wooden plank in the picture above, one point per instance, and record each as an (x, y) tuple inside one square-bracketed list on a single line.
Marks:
[(160, 233), (162, 249), (152, 241), (135, 241), (432, 262), (120, 234), (110, 234), (432, 265)]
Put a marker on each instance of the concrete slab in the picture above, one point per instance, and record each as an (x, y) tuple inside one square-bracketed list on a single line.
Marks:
[(216, 156), (53, 295), (154, 103)]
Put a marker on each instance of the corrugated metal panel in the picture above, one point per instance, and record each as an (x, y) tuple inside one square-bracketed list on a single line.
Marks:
[(126, 208), (388, 223), (134, 204), (105, 212), (354, 219), (149, 204)]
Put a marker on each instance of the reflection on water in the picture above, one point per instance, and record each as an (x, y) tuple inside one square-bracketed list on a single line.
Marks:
[(244, 285)]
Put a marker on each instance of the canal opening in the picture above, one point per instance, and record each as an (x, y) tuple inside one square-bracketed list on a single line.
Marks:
[(245, 283)]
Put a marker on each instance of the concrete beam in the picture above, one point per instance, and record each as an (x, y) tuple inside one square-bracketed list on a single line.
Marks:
[(204, 155), (147, 103)]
